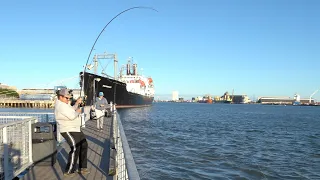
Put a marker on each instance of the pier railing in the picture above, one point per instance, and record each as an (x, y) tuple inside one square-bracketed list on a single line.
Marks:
[(15, 145), (125, 166), (16, 141), (42, 117)]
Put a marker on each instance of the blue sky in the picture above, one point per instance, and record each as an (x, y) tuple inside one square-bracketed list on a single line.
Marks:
[(258, 48)]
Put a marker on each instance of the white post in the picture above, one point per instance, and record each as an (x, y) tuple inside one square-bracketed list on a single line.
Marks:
[(114, 108), (30, 141), (83, 122), (94, 91), (5, 153), (59, 137)]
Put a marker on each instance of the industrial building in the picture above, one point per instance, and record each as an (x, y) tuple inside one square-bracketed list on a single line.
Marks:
[(234, 99), (175, 96), (284, 100)]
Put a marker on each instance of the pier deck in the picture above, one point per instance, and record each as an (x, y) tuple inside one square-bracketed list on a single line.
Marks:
[(98, 157)]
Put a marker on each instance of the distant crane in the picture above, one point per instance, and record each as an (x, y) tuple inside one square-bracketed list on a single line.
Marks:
[(312, 95)]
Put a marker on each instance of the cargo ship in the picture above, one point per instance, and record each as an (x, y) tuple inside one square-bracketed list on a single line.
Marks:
[(206, 99), (125, 90), (226, 98)]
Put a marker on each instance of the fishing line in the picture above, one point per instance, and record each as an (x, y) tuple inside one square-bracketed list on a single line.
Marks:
[(84, 70)]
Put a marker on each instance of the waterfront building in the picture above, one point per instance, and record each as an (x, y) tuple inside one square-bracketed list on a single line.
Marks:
[(175, 96)]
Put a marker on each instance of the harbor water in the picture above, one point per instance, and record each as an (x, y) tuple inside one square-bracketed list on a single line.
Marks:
[(221, 141), (224, 141)]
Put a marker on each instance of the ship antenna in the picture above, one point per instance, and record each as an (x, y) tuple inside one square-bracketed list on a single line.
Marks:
[(138, 7)]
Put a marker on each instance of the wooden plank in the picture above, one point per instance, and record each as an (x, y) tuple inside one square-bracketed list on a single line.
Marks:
[(98, 157)]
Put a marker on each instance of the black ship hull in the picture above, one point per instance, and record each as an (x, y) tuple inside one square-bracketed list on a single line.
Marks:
[(223, 101), (114, 91)]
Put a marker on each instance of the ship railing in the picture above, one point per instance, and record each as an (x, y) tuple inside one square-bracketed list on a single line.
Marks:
[(125, 166), (108, 76)]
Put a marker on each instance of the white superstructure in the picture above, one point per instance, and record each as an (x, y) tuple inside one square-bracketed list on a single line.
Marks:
[(297, 97), (137, 83)]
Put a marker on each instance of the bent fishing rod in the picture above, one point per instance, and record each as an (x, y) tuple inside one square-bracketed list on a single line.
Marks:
[(84, 69)]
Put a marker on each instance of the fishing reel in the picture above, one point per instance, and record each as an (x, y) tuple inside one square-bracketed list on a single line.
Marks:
[(83, 103)]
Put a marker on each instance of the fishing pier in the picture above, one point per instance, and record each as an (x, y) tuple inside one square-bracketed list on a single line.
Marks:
[(109, 155)]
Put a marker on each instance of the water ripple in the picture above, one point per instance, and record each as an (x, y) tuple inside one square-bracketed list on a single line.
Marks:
[(218, 141)]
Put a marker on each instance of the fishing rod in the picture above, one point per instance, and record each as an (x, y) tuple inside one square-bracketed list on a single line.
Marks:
[(84, 69)]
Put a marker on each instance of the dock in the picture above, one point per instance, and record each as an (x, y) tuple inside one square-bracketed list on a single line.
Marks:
[(98, 157)]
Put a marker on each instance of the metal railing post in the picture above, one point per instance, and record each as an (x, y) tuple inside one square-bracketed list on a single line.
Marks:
[(30, 141), (5, 153), (82, 116)]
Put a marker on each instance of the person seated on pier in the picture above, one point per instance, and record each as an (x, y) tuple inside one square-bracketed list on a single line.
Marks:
[(100, 106), (69, 123)]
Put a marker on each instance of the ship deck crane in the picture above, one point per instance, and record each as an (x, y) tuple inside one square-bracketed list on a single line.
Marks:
[(105, 56), (312, 95)]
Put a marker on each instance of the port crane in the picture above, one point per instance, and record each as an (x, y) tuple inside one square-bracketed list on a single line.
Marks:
[(312, 95)]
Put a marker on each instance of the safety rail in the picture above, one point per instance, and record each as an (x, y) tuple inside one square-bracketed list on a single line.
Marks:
[(15, 145), (125, 166), (42, 116), (16, 141)]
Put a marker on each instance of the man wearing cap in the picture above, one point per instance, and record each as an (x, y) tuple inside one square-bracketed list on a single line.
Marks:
[(69, 124), (100, 105)]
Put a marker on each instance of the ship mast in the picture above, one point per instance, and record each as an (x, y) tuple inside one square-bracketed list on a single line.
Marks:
[(106, 56), (95, 61)]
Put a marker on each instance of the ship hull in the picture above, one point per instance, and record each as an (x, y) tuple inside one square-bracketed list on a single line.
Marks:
[(114, 91), (223, 101), (206, 101)]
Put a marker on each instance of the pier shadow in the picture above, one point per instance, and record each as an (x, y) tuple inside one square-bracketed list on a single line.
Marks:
[(48, 171), (14, 159), (104, 163), (95, 141)]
